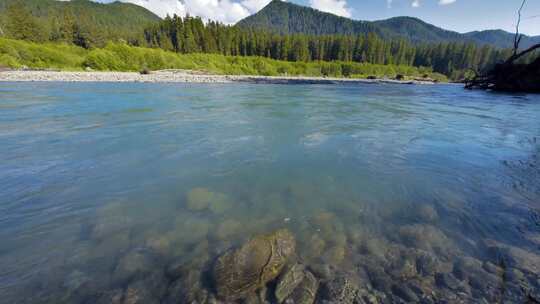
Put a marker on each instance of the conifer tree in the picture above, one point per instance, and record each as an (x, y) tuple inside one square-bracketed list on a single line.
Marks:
[(21, 24)]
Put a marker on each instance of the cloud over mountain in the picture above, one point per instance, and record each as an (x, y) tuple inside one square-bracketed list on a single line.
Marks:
[(226, 11), (336, 7)]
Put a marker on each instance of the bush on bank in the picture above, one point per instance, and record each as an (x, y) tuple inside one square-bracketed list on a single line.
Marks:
[(122, 57)]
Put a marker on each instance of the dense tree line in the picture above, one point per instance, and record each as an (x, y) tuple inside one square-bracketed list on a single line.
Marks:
[(83, 23), (192, 35)]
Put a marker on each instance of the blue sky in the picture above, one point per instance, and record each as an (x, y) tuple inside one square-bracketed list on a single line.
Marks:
[(457, 15), (461, 15)]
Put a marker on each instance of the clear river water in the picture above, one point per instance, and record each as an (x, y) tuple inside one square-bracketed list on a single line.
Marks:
[(426, 194)]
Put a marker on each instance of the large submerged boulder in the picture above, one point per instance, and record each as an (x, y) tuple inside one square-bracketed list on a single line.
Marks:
[(200, 199), (242, 271)]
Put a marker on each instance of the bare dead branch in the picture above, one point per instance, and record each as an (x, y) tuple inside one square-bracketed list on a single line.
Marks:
[(511, 75), (518, 36), (521, 54)]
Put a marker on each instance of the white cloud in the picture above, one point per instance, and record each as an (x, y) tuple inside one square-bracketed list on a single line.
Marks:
[(446, 2), (337, 7), (226, 11), (254, 5), (159, 7), (415, 3), (222, 10)]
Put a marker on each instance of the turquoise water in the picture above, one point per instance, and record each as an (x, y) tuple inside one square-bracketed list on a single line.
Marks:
[(365, 176)]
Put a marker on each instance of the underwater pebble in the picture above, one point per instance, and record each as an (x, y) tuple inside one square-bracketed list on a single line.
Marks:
[(339, 290), (404, 292), (447, 280), (427, 213)]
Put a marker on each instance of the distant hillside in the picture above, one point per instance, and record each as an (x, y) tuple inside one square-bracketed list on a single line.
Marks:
[(288, 18), (113, 20), (501, 38)]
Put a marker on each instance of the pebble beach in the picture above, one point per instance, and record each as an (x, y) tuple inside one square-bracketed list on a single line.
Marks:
[(177, 76)]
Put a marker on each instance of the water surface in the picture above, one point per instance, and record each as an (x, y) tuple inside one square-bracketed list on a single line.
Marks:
[(367, 177)]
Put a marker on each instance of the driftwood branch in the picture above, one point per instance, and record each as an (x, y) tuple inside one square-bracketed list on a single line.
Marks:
[(518, 36), (516, 56), (511, 75)]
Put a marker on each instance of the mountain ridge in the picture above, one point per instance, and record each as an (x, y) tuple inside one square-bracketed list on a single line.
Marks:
[(115, 19), (289, 18)]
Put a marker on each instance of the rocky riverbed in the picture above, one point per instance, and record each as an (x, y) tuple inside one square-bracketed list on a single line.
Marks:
[(177, 76), (204, 256)]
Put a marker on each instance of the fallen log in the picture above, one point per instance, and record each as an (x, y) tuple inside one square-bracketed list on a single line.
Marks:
[(510, 76)]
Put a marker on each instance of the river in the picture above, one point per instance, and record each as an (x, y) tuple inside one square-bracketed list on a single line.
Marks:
[(421, 193)]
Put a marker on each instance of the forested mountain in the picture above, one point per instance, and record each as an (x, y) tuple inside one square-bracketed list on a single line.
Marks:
[(287, 18), (42, 20), (192, 35), (501, 38)]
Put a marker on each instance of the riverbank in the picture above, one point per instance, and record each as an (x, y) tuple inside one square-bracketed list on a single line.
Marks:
[(178, 76)]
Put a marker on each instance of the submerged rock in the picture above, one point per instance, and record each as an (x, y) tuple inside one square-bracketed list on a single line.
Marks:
[(111, 219), (322, 270), (148, 290), (187, 288), (306, 291), (78, 286), (259, 297), (427, 264), (522, 259), (339, 290), (110, 297), (137, 295), (427, 213), (404, 292), (189, 231), (425, 237), (227, 229), (288, 281), (220, 203), (137, 262), (199, 199), (403, 267), (312, 246), (240, 272), (447, 280), (330, 227), (465, 267), (334, 255)]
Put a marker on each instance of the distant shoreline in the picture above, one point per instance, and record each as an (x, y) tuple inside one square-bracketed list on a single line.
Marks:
[(179, 76)]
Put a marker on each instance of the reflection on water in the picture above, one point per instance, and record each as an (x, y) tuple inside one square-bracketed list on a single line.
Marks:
[(127, 193)]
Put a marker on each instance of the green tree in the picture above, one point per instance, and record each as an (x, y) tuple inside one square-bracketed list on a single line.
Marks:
[(21, 24)]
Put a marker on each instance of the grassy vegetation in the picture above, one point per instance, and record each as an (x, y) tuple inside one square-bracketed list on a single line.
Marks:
[(122, 57)]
